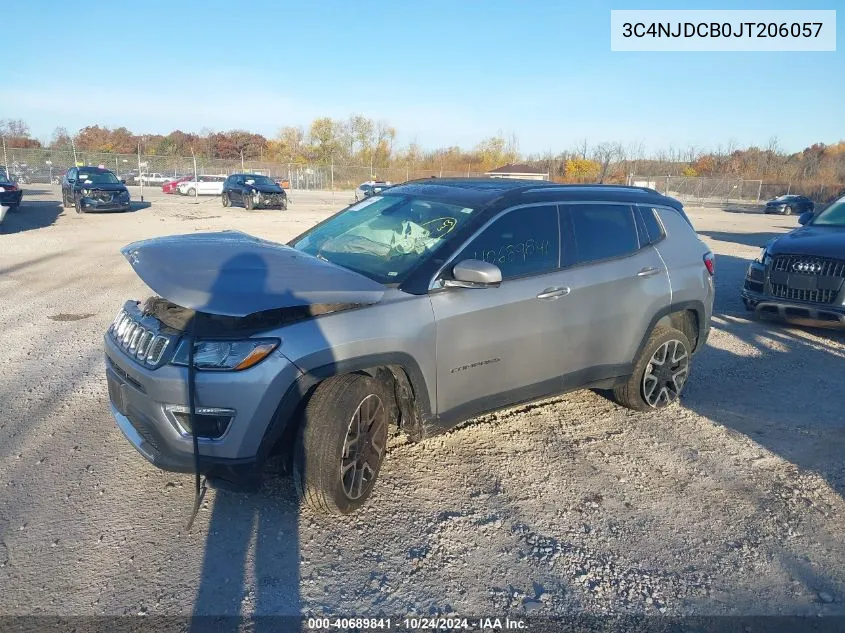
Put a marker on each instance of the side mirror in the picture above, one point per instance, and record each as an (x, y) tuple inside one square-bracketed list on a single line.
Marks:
[(474, 273), (805, 217), (123, 182)]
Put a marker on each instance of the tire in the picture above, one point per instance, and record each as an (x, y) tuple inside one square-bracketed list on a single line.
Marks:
[(787, 211), (249, 204), (227, 202), (191, 192), (65, 203), (331, 475), (78, 206), (641, 393)]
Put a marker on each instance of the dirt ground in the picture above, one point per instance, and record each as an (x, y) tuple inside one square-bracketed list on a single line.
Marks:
[(729, 503)]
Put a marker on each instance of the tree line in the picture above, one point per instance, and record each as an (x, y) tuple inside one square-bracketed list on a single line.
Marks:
[(359, 140)]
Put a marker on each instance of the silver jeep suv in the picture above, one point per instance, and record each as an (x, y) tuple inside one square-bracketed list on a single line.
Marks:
[(417, 308)]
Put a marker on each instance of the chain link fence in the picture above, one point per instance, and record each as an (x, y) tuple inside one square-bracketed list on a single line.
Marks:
[(720, 191), (46, 166)]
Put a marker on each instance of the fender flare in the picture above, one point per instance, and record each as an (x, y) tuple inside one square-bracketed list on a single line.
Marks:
[(297, 394)]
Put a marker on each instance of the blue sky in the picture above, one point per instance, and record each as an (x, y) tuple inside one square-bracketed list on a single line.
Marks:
[(441, 72)]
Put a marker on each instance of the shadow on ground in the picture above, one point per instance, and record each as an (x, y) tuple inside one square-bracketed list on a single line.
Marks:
[(799, 369), (31, 215)]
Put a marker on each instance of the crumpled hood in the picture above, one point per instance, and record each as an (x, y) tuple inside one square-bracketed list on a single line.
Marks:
[(268, 188), (234, 274), (102, 186), (828, 241)]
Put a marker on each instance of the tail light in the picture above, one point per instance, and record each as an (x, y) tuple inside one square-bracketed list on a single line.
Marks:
[(710, 263), (10, 186)]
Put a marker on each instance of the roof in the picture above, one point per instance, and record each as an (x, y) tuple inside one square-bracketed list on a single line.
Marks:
[(475, 192), (518, 168)]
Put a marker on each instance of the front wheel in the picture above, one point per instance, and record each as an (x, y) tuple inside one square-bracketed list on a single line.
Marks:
[(227, 202), (249, 203), (342, 443), (78, 206), (192, 192), (787, 211), (660, 372)]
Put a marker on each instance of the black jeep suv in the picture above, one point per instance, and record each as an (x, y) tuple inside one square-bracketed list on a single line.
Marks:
[(800, 276), (253, 191), (94, 189)]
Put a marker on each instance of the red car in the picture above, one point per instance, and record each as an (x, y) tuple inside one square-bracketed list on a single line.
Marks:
[(171, 185)]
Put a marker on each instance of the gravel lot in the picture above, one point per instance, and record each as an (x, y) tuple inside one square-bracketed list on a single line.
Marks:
[(730, 503)]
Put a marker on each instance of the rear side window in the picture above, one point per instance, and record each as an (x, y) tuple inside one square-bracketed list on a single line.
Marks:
[(524, 241), (603, 231), (651, 225)]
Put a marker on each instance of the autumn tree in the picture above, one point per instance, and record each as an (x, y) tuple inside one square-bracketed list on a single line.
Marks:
[(60, 139), (15, 133)]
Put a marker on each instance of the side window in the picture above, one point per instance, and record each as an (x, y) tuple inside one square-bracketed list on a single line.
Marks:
[(653, 229), (603, 231), (71, 174), (524, 241)]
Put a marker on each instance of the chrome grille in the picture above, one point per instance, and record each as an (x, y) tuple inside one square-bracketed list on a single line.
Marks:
[(825, 270), (102, 196), (808, 265), (782, 291), (144, 345)]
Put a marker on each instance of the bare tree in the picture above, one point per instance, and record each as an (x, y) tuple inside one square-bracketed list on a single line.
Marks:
[(604, 154)]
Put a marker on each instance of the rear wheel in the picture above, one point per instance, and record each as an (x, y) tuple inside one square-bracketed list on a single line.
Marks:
[(342, 443), (660, 373)]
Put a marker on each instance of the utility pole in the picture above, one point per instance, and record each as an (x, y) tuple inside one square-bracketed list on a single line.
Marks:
[(5, 160), (73, 147), (196, 178), (140, 178)]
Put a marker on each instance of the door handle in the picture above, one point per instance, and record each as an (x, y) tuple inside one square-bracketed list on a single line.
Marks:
[(648, 272), (553, 293)]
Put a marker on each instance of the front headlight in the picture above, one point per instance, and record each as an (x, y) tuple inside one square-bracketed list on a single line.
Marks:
[(86, 192), (763, 257), (225, 355)]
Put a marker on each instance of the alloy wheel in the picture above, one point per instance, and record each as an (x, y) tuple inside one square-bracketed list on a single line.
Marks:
[(666, 374), (363, 449)]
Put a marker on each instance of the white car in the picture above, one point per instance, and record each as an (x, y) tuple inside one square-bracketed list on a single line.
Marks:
[(370, 188), (3, 211), (202, 186), (154, 178)]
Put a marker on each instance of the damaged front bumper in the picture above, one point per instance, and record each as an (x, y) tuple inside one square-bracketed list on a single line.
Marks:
[(115, 204), (149, 405)]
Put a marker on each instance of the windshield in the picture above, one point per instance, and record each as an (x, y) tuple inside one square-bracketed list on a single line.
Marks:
[(834, 215), (384, 237), (262, 181), (97, 178)]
